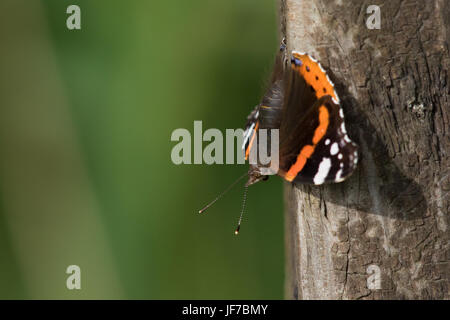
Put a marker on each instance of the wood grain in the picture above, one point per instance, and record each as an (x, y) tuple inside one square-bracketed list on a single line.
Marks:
[(394, 211)]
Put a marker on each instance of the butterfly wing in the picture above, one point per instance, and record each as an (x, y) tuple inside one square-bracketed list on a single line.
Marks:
[(318, 149), (269, 110), (314, 145)]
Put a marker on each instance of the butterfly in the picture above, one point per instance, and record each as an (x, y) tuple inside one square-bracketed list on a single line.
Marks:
[(302, 105)]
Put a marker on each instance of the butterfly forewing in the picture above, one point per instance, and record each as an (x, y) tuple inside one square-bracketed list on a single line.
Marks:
[(301, 102)]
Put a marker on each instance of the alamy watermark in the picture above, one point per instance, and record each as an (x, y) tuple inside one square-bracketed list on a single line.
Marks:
[(73, 21), (213, 152), (374, 20), (74, 279), (374, 280)]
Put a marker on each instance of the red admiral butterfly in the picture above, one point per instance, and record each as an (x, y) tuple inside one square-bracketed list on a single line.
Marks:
[(301, 102)]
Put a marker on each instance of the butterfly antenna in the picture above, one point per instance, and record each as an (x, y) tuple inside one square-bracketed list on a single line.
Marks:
[(223, 193), (244, 200)]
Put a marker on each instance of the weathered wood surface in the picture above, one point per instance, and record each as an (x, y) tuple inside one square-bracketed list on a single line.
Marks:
[(393, 213)]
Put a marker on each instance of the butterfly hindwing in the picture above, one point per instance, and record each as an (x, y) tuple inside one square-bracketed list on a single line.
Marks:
[(314, 145), (322, 152)]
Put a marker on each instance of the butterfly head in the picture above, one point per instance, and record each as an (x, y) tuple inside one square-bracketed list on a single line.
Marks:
[(255, 175)]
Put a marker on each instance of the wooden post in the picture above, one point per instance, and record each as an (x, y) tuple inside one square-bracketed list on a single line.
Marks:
[(383, 233)]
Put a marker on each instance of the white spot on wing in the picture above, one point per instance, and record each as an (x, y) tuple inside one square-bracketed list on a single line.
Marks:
[(249, 130), (322, 172), (298, 52), (327, 142), (341, 113), (334, 149), (321, 68), (247, 135), (339, 177), (331, 82), (336, 100), (340, 156)]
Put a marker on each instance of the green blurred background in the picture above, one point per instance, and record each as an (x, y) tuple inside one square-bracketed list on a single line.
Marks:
[(86, 176)]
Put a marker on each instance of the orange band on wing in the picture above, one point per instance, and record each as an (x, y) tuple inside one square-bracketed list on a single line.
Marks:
[(323, 125), (251, 141), (308, 150), (314, 75)]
